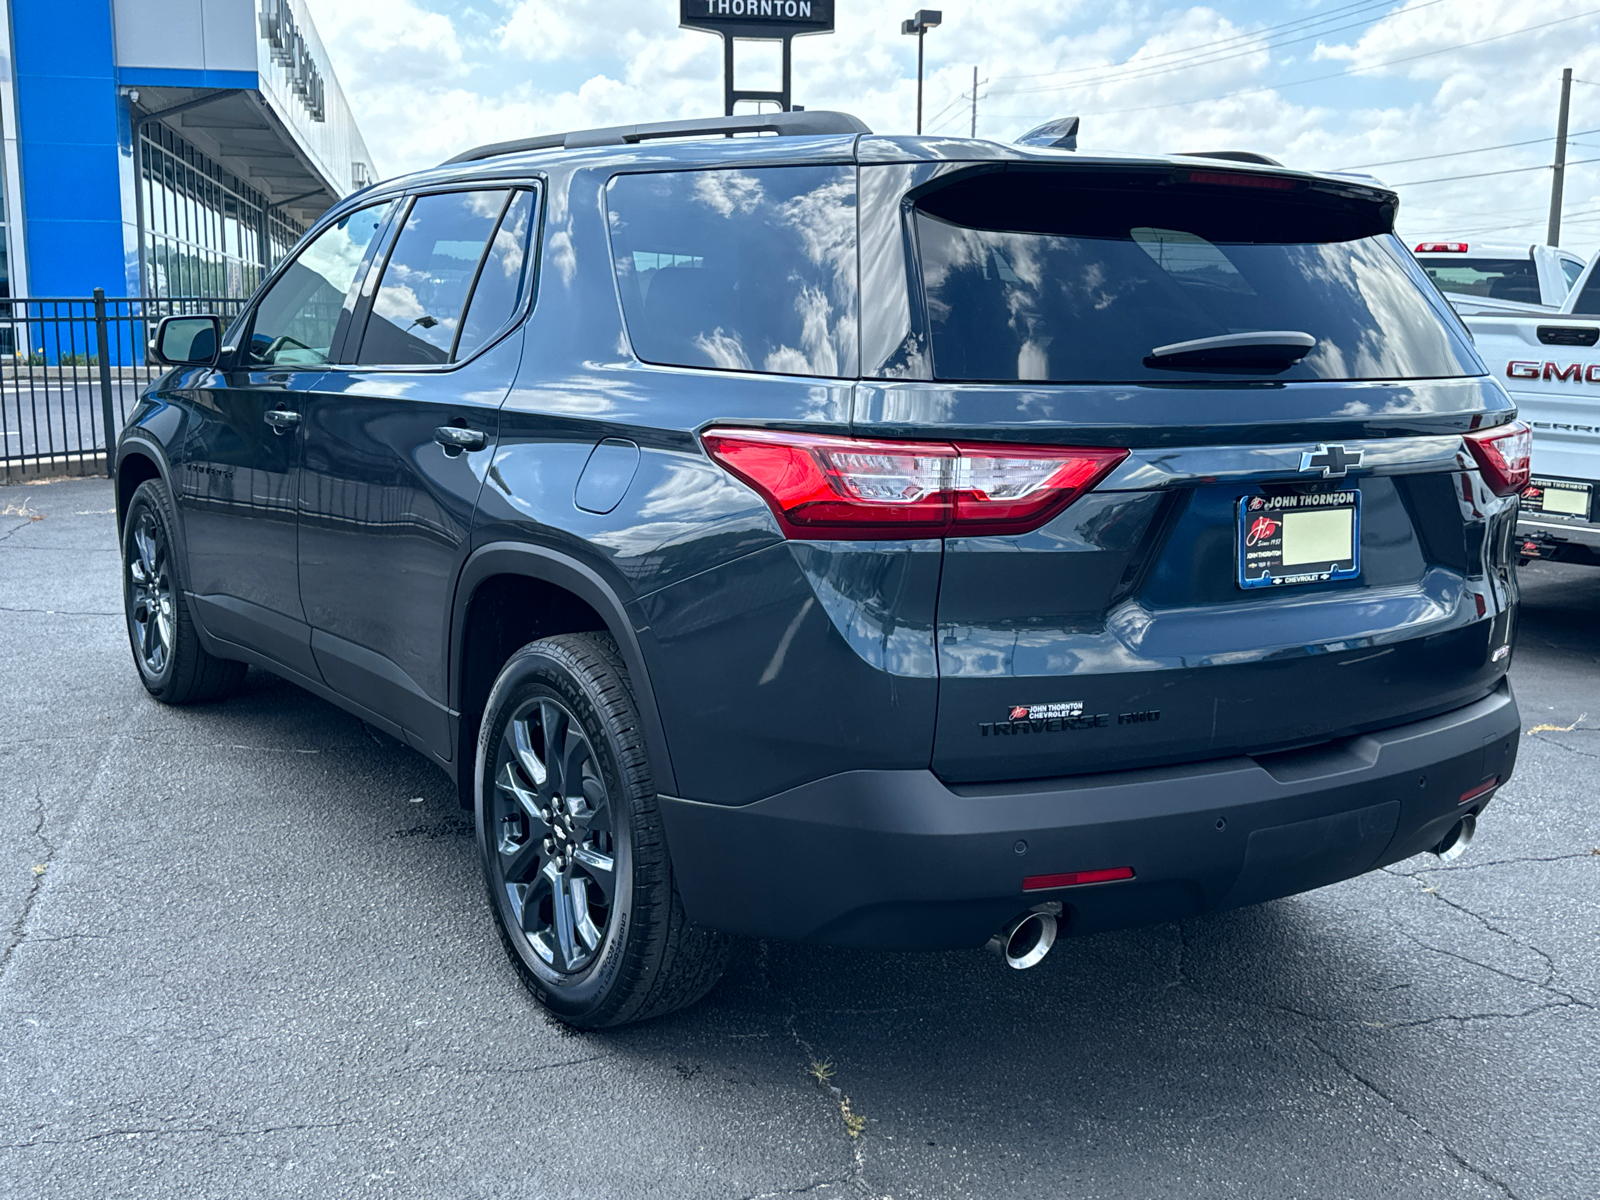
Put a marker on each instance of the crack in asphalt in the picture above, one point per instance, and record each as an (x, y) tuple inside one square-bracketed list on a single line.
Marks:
[(1486, 1016), (1549, 960), (1539, 737), (168, 1132), (831, 1092), (1544, 985), (1453, 868), (19, 926), (1436, 1138), (146, 739), (57, 612), (842, 1181)]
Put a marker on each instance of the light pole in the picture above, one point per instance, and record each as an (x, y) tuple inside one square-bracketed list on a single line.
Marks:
[(926, 19)]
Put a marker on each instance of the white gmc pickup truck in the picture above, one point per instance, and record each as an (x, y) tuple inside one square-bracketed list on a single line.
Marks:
[(1550, 363), (1493, 279)]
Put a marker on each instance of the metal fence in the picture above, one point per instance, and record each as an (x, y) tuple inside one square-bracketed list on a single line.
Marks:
[(71, 370)]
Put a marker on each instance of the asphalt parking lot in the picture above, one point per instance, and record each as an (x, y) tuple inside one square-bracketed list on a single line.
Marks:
[(247, 953)]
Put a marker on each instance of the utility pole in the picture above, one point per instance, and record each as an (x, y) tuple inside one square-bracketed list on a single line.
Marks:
[(926, 19), (974, 101), (1554, 235)]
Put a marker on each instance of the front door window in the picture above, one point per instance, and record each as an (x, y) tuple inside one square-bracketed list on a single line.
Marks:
[(303, 316)]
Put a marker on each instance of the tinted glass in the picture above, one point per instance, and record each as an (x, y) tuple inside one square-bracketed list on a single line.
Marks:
[(1571, 270), (417, 310), (1588, 302), (305, 311), (1496, 278), (1034, 277), (499, 290), (750, 270)]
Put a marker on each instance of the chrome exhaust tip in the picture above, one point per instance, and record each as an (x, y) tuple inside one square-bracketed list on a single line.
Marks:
[(1027, 939), (1455, 842)]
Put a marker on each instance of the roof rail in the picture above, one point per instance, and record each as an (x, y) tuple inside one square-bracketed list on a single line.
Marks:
[(799, 123)]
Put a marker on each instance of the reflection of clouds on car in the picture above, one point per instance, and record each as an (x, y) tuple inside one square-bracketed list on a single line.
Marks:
[(686, 246)]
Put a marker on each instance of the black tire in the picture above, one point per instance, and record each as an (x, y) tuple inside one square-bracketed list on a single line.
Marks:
[(172, 664), (646, 959)]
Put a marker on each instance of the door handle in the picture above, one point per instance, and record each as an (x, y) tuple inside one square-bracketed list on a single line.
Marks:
[(281, 419), (453, 437)]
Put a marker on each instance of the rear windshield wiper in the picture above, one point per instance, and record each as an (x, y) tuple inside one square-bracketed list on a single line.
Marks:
[(1268, 350)]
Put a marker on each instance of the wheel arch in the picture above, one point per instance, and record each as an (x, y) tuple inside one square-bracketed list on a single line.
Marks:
[(580, 599), (137, 462)]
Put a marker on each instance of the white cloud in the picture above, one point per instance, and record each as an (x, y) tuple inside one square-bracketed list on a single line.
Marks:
[(429, 78)]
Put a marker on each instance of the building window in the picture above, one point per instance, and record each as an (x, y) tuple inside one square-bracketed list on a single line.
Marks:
[(207, 234)]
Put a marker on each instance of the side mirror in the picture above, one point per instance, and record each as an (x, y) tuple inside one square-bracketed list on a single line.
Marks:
[(187, 341)]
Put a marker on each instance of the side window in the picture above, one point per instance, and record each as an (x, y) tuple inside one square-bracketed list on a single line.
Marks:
[(1571, 269), (305, 311), (417, 311), (504, 279), (745, 270)]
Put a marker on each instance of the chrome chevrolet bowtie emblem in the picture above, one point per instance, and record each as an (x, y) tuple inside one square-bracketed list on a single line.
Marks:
[(1332, 461)]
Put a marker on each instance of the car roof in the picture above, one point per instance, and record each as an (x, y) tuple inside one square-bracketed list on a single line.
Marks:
[(701, 148)]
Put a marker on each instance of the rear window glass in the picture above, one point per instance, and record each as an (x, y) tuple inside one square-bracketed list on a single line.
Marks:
[(1495, 278), (742, 270), (1064, 277)]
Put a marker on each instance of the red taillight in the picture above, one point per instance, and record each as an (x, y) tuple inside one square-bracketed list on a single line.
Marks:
[(821, 486), (1043, 883), (1479, 792), (1274, 183), (1440, 248), (1505, 456)]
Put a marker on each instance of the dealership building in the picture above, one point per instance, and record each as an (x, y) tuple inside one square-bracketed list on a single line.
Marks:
[(164, 147)]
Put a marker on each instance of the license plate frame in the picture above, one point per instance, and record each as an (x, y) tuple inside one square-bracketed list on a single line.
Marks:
[(1264, 524), (1562, 488)]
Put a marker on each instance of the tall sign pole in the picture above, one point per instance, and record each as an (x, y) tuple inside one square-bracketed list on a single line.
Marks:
[(757, 21), (1554, 234)]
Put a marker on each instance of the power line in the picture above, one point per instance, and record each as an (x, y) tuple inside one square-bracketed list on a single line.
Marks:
[(1202, 61), (1114, 112), (1394, 162), (1210, 47), (1487, 174)]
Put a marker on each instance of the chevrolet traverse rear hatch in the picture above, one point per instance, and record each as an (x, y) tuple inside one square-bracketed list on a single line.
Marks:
[(1281, 486)]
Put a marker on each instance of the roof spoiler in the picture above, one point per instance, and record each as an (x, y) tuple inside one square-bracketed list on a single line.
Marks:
[(799, 123), (1244, 156), (1060, 134)]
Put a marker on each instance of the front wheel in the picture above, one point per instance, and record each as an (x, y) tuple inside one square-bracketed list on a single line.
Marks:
[(570, 834), (173, 666)]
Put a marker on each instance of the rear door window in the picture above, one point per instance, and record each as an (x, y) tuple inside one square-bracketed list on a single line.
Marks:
[(1079, 276), (416, 313), (504, 279), (741, 270)]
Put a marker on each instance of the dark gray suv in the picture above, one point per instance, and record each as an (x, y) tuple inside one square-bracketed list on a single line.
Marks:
[(876, 541)]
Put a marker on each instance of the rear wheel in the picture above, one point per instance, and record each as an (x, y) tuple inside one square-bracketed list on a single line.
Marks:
[(173, 666), (574, 856)]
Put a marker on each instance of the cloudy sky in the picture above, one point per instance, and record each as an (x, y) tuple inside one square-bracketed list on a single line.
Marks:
[(1397, 89)]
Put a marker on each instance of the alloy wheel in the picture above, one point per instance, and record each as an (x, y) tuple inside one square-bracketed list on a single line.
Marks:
[(555, 851), (150, 597)]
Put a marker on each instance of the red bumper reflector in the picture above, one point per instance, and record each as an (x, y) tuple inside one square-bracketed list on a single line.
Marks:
[(1041, 883), (1479, 792)]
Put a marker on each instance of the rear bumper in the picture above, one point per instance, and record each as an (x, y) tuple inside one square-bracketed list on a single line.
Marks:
[(899, 860), (1554, 539)]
